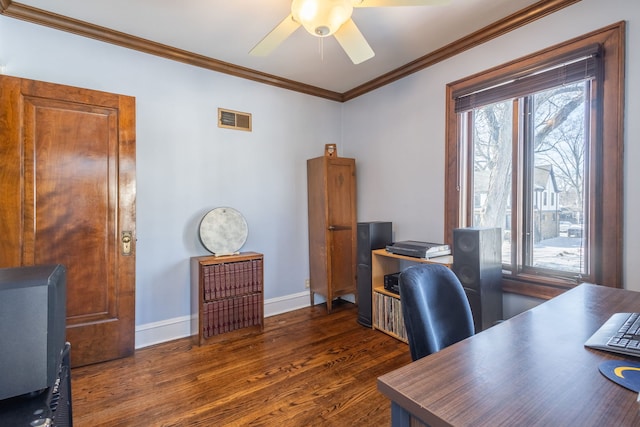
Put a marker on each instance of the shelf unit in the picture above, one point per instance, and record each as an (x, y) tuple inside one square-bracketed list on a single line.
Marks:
[(386, 305), (228, 295)]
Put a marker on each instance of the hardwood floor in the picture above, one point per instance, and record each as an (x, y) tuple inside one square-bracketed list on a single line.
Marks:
[(308, 368)]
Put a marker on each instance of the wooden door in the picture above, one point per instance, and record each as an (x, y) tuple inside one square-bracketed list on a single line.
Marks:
[(341, 196), (67, 169)]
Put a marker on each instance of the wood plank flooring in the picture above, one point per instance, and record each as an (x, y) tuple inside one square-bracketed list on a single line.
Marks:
[(308, 368)]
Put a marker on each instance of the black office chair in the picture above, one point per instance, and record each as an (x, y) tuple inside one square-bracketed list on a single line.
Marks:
[(435, 308)]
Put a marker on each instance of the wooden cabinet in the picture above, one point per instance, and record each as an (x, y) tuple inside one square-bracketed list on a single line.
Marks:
[(227, 294), (386, 308), (331, 185)]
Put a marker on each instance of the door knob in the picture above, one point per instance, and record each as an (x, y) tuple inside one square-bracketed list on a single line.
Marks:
[(126, 243)]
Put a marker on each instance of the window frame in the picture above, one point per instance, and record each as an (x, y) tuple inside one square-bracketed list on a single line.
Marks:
[(607, 160)]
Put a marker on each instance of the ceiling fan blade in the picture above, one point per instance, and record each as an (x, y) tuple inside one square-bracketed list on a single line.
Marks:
[(353, 42), (383, 3), (272, 40)]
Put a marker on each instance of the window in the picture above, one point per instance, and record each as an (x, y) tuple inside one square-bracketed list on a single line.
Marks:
[(535, 147)]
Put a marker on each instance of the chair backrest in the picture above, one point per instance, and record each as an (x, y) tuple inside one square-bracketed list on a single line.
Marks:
[(435, 309)]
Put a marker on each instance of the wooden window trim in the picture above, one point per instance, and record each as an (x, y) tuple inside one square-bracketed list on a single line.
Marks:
[(607, 253)]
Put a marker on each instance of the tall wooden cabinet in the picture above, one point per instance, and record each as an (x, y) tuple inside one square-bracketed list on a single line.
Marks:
[(331, 185)]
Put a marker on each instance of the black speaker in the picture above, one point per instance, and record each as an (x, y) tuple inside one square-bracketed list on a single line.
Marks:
[(371, 235), (477, 261), (47, 407)]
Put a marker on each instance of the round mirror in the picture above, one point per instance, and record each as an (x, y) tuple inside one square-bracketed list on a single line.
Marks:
[(223, 231)]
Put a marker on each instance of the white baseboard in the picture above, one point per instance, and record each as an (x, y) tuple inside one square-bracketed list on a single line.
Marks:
[(180, 327), (279, 305)]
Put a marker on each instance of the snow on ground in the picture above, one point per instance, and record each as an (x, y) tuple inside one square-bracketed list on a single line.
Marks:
[(558, 253)]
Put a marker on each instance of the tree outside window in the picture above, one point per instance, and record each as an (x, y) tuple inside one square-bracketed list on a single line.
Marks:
[(558, 142)]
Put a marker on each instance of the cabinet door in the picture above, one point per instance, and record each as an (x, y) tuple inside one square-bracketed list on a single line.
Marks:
[(341, 196), (318, 227)]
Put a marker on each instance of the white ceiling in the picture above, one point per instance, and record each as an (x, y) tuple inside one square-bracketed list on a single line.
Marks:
[(228, 30)]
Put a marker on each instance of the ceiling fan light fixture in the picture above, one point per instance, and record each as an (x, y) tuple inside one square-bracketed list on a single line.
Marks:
[(321, 18)]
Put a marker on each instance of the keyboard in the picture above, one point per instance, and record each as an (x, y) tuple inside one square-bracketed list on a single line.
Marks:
[(628, 335), (619, 334)]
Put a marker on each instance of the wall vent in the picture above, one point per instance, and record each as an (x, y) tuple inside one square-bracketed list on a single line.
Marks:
[(234, 119)]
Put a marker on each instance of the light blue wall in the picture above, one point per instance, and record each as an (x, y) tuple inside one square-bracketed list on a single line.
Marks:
[(186, 165), (398, 131)]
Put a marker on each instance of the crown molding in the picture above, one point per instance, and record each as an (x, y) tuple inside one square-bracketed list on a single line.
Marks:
[(85, 29), (516, 20)]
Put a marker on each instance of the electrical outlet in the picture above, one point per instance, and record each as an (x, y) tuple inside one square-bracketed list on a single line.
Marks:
[(307, 283)]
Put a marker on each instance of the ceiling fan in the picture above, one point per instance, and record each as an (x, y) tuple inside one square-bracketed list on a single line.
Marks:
[(323, 18)]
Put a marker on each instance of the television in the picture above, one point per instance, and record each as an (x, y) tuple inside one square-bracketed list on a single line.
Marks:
[(32, 327)]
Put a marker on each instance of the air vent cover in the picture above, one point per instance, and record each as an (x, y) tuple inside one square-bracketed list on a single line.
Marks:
[(234, 119)]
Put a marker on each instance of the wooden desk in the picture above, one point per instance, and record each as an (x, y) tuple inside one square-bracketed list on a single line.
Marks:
[(530, 370)]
